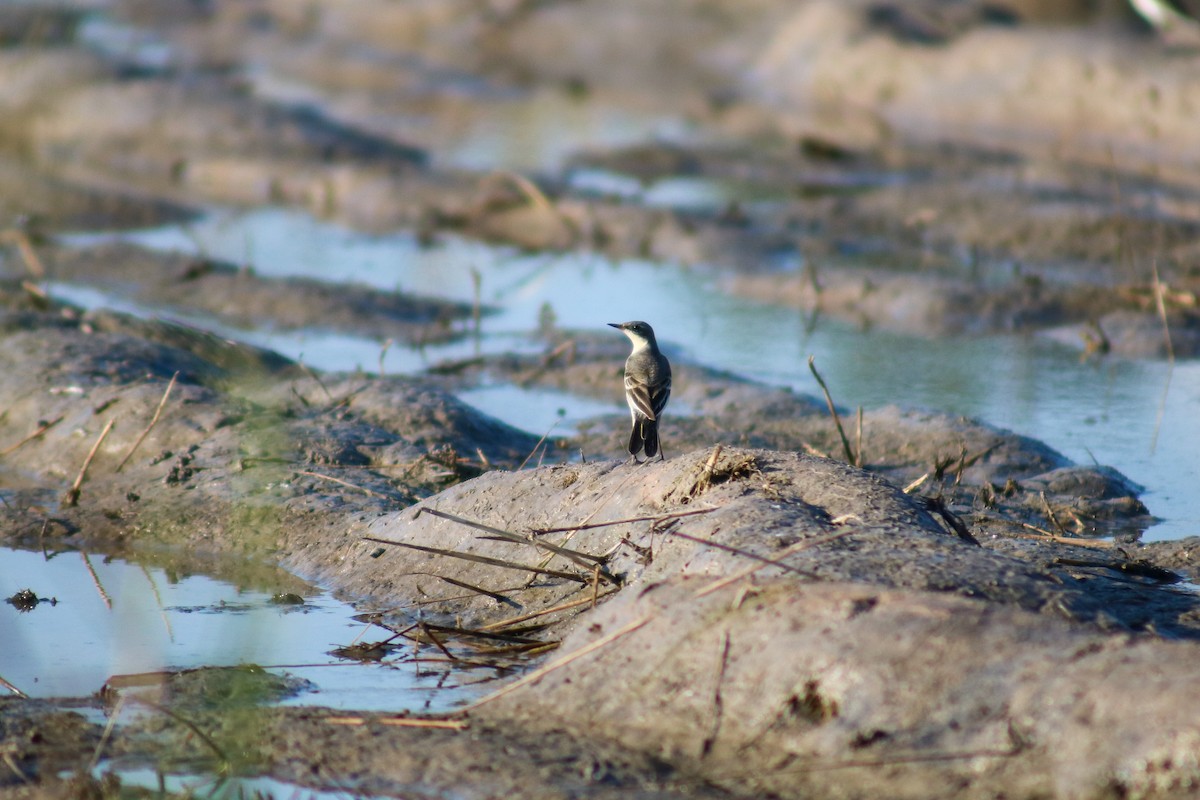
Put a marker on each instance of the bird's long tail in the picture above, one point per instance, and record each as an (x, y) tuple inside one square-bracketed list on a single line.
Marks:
[(644, 436)]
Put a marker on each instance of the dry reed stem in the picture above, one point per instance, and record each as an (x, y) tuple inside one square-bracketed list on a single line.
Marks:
[(1050, 513), (41, 429), (1045, 534), (540, 441), (837, 421), (108, 729), (87, 562), (153, 421), (718, 700), (504, 623), (347, 484), (526, 187), (72, 495), (403, 722), (18, 237), (858, 440), (658, 518), (12, 688), (495, 562), (1161, 306), (739, 551), (559, 663), (499, 598), (772, 562), (577, 557)]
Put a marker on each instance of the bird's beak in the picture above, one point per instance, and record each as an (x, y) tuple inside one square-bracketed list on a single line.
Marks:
[(614, 325)]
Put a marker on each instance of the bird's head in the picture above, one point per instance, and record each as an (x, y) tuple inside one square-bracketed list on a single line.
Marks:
[(640, 333)]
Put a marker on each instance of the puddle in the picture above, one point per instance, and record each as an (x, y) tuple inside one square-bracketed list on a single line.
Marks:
[(219, 788), (109, 617), (1138, 416)]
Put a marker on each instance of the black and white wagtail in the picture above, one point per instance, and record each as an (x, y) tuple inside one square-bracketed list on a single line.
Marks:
[(647, 387)]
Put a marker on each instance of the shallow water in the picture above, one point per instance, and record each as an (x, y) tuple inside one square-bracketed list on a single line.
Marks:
[(1138, 416), (113, 617)]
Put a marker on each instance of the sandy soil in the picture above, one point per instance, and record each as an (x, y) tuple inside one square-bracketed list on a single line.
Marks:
[(774, 616)]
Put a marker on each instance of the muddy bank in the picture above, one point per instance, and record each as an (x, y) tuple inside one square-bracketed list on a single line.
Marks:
[(835, 203), (766, 620)]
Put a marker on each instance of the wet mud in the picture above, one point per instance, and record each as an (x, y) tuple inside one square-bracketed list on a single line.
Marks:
[(917, 606), (736, 549)]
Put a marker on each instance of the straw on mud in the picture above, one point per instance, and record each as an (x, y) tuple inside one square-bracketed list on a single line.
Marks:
[(739, 551), (1161, 306), (476, 299), (12, 765), (504, 623), (153, 421), (1050, 513), (204, 737), (578, 557), (495, 562), (425, 629), (72, 495), (402, 722), (858, 440), (382, 354), (837, 421), (12, 688), (718, 701), (559, 663), (499, 598), (108, 729), (545, 435), (87, 562), (41, 429), (772, 562), (18, 237), (347, 484), (1045, 534), (656, 518)]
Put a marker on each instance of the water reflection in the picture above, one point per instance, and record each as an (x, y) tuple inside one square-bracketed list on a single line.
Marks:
[(113, 617), (1109, 410)]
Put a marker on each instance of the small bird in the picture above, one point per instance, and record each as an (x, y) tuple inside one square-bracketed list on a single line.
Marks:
[(647, 387)]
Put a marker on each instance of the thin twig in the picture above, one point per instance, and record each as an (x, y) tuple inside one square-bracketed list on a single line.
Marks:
[(772, 562), (578, 557), (41, 429), (87, 562), (499, 598), (12, 688), (72, 495), (204, 737), (153, 421), (347, 484), (559, 663), (1050, 513), (627, 520), (19, 238), (786, 553), (402, 722), (832, 411), (539, 444), (108, 729), (858, 444), (1161, 306), (504, 623), (495, 562), (1047, 535)]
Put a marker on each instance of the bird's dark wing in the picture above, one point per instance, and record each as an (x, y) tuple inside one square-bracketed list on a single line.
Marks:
[(639, 393)]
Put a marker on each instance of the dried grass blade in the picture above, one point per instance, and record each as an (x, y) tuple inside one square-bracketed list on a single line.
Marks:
[(495, 562), (541, 672)]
